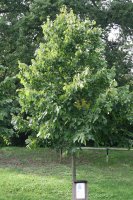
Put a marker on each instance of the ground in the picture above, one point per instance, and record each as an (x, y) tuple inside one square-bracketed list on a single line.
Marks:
[(38, 174)]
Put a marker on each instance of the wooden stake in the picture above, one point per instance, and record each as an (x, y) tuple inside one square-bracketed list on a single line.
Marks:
[(73, 174), (107, 155), (73, 167)]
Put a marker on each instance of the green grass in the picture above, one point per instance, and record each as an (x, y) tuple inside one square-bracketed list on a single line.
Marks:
[(38, 175)]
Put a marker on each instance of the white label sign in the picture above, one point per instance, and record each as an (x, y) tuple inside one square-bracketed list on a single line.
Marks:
[(80, 191)]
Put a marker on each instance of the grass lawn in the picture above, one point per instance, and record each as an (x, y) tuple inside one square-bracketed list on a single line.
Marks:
[(38, 174)]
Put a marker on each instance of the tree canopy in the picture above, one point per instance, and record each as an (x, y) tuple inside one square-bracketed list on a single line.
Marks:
[(69, 94)]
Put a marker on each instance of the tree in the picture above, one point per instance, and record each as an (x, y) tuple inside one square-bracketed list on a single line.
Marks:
[(68, 92), (11, 12), (5, 105)]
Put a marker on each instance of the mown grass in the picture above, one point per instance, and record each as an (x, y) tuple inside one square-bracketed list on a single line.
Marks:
[(39, 175)]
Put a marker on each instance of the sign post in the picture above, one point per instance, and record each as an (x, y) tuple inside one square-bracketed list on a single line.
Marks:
[(79, 188)]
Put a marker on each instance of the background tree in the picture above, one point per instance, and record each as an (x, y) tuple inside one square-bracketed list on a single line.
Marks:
[(10, 14), (68, 92)]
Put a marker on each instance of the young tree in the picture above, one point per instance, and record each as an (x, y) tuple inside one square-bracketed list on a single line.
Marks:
[(68, 92)]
